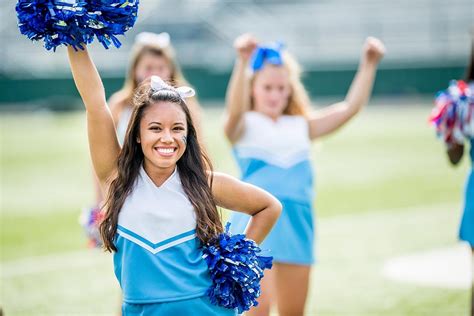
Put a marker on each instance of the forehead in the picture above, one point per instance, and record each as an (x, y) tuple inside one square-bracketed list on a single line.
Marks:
[(271, 74), (151, 58), (164, 112)]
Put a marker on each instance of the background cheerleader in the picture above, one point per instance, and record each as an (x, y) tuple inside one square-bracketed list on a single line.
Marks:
[(453, 118), (270, 125)]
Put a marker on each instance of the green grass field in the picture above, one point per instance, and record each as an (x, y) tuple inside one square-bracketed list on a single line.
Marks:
[(384, 189)]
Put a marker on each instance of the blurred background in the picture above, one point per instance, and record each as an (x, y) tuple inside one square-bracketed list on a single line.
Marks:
[(388, 203)]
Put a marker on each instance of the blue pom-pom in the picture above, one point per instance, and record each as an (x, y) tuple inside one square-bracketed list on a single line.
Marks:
[(54, 21), (236, 270), (108, 18), (75, 22)]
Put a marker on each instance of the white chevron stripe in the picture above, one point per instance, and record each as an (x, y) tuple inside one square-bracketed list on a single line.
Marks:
[(158, 249)]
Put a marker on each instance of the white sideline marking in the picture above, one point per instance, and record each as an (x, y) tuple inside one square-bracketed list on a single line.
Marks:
[(443, 268)]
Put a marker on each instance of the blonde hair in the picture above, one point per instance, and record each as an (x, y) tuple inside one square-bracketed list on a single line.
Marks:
[(299, 102), (125, 94)]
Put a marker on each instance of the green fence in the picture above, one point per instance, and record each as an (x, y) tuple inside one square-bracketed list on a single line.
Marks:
[(60, 93)]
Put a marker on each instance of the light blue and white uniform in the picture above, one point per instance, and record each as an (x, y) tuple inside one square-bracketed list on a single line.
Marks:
[(275, 156), (466, 230), (159, 262)]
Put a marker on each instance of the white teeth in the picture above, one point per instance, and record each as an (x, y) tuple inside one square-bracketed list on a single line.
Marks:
[(165, 150)]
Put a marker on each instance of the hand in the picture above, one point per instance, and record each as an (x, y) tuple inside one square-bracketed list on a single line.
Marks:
[(373, 50), (245, 44)]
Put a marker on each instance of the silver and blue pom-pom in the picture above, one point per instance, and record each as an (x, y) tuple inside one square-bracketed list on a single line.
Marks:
[(75, 22), (51, 21), (90, 219), (453, 114), (108, 18), (236, 270)]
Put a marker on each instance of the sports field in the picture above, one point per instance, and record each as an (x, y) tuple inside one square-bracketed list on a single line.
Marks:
[(384, 189)]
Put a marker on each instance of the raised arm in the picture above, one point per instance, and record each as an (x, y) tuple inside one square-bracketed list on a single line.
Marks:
[(236, 195), (327, 120), (238, 90), (103, 143)]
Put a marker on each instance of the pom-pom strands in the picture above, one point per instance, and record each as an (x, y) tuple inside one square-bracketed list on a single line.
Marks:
[(453, 114), (53, 21), (75, 22), (90, 220), (236, 270)]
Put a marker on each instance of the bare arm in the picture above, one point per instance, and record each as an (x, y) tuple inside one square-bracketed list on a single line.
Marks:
[(238, 90), (239, 196), (327, 120), (103, 143)]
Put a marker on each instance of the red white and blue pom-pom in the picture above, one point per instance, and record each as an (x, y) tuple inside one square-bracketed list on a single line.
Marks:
[(90, 220), (453, 114), (75, 22), (236, 270)]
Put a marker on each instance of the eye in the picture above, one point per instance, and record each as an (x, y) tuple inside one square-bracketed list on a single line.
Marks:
[(155, 128), (178, 128)]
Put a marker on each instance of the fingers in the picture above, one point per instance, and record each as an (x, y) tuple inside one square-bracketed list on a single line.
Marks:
[(245, 44), (374, 49)]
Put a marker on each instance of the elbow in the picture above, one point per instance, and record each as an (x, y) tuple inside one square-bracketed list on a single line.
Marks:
[(350, 109), (353, 107), (276, 207)]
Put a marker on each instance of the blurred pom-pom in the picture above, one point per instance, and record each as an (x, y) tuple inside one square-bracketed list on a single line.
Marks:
[(90, 220), (453, 114), (75, 22), (236, 270)]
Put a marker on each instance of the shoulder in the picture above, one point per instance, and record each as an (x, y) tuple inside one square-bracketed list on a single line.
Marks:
[(221, 182)]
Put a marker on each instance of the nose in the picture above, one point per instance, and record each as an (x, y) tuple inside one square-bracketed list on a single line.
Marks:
[(166, 137)]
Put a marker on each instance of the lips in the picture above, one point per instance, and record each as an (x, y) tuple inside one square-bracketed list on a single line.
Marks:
[(165, 151)]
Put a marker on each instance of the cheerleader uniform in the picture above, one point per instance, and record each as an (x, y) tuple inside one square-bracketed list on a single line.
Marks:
[(275, 156), (158, 261), (466, 230)]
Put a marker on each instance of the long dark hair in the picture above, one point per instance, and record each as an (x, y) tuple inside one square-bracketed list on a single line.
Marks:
[(194, 167)]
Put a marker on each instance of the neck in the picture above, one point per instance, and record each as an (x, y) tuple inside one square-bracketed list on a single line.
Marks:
[(157, 174), (273, 117)]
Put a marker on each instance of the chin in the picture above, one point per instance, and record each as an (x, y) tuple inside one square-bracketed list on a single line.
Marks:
[(166, 164)]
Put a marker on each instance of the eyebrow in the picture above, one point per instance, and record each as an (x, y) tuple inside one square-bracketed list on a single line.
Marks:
[(175, 123)]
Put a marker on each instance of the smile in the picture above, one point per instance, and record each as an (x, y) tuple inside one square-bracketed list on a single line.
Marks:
[(165, 151)]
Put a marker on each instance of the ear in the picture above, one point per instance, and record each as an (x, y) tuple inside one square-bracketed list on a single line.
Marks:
[(138, 139)]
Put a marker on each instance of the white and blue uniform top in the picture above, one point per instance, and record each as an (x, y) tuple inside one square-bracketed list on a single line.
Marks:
[(275, 156), (158, 256), (466, 229)]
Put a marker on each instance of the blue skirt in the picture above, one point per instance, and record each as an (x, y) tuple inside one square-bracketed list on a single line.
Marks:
[(291, 239), (466, 230), (195, 306)]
